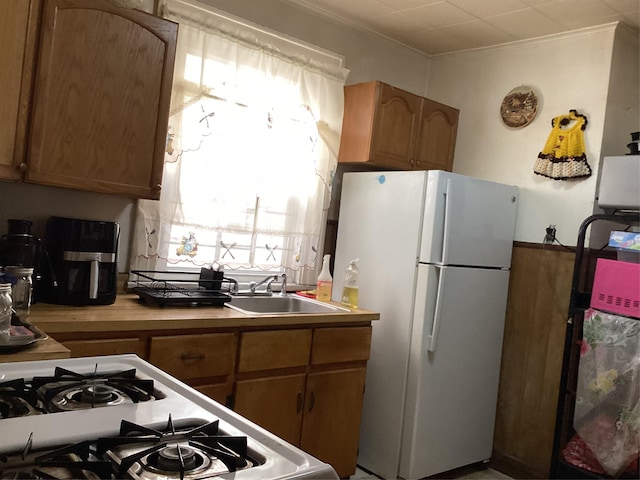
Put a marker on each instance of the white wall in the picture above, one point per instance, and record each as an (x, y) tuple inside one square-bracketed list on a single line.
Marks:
[(569, 71), (367, 56), (622, 116), (37, 203), (623, 104)]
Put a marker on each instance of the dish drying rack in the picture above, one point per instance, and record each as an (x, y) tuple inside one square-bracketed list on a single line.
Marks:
[(183, 288)]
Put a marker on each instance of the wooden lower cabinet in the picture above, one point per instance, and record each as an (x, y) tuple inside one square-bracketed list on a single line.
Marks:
[(331, 423), (307, 387), (536, 319), (274, 403)]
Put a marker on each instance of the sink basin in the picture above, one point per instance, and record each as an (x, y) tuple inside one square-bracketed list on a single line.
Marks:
[(261, 305)]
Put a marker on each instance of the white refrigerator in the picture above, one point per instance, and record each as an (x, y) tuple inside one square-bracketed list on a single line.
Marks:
[(435, 252)]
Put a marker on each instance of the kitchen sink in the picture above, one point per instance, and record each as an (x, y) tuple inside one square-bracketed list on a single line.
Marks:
[(264, 305)]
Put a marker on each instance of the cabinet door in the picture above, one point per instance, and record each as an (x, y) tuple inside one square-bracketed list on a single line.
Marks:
[(218, 392), (274, 403), (331, 425), (395, 128), (436, 139), (17, 37), (101, 98)]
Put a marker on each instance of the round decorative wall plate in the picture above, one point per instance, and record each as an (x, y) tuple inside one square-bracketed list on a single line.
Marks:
[(519, 107)]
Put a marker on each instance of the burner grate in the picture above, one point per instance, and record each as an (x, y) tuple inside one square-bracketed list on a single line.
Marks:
[(143, 452), (17, 399), (76, 458), (69, 390)]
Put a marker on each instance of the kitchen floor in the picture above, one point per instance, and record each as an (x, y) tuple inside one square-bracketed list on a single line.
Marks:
[(471, 472)]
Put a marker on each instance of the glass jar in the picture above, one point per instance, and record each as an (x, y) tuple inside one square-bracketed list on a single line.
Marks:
[(6, 305), (21, 289)]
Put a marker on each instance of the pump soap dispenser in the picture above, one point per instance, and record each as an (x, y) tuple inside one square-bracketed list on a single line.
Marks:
[(350, 286), (325, 281)]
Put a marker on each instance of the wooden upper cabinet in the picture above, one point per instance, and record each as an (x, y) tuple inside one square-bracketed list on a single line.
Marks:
[(101, 99), (395, 127), (388, 127), (436, 140), (17, 37)]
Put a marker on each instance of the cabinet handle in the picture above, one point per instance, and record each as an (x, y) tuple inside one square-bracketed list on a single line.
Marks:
[(312, 401), (22, 167), (299, 402), (191, 358)]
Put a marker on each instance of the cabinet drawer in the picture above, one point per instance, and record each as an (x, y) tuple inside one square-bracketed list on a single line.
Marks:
[(194, 356), (335, 345), (274, 349), (90, 348)]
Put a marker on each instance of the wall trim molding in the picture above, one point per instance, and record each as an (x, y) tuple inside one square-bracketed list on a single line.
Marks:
[(529, 42), (544, 246)]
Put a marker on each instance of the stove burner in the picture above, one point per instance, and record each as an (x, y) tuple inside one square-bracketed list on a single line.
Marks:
[(88, 396), (201, 452), (176, 458), (139, 452), (67, 390), (98, 394), (77, 461), (179, 458), (18, 400)]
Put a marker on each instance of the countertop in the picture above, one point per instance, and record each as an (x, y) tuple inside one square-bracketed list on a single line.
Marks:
[(47, 349), (129, 314)]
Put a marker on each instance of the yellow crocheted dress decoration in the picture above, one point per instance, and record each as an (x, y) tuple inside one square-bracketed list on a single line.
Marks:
[(563, 156)]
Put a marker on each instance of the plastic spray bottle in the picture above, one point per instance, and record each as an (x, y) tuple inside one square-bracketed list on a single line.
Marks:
[(325, 281), (350, 286)]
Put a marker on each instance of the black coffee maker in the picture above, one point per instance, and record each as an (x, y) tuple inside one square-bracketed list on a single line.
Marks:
[(84, 262)]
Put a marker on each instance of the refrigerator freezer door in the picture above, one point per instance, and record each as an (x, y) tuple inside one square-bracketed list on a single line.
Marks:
[(468, 221), (380, 224), (453, 381)]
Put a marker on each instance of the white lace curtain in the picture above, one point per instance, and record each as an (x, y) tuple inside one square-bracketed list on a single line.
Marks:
[(251, 152)]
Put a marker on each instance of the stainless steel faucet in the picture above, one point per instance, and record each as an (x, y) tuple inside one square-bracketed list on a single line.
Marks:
[(283, 288), (233, 289), (253, 286)]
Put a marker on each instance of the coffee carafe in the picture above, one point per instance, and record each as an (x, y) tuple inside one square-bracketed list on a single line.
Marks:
[(84, 261), (18, 247)]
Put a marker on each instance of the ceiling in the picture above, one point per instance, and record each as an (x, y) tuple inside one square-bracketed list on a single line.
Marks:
[(443, 26)]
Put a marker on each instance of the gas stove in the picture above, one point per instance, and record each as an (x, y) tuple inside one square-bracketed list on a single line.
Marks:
[(120, 417)]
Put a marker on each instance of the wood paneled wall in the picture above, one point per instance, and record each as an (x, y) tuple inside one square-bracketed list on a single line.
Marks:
[(537, 312)]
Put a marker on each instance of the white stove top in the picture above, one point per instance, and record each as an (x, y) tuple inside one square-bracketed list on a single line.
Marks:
[(181, 402)]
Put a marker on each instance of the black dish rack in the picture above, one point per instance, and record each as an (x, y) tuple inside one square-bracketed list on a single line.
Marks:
[(183, 288)]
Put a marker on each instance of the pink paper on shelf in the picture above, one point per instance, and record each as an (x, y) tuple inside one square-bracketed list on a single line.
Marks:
[(20, 331)]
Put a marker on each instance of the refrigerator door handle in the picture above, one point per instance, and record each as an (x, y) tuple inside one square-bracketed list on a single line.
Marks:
[(437, 314), (446, 222)]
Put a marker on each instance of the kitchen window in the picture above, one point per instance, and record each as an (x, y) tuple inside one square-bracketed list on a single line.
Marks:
[(251, 151)]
